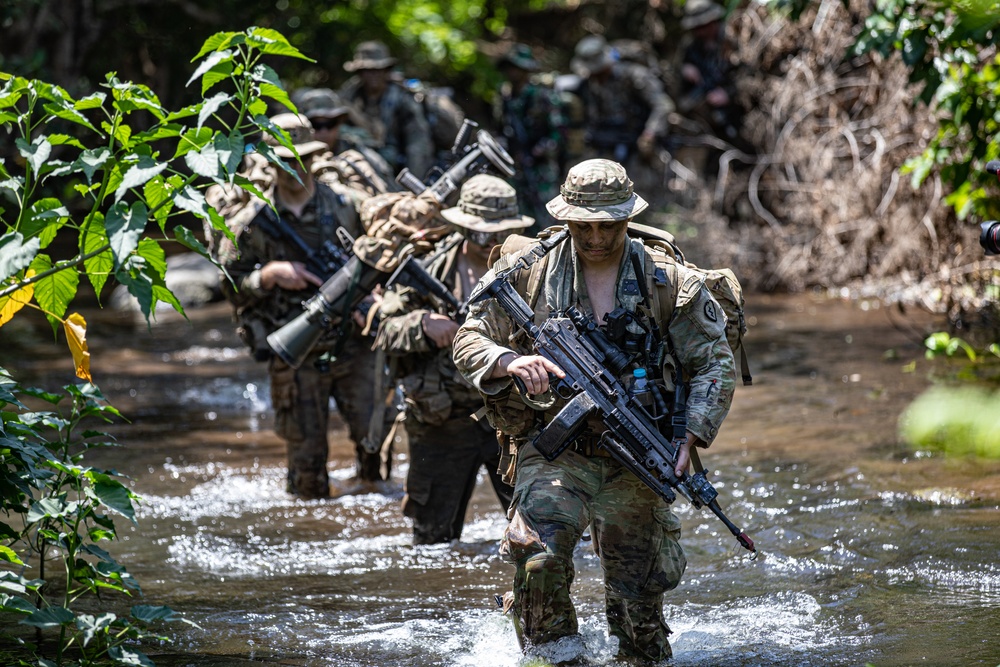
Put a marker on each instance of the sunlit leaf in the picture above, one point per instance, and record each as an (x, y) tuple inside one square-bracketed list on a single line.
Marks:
[(204, 162), (92, 160), (211, 105), (36, 153), (54, 292), (92, 239), (75, 327), (211, 61), (145, 169), (273, 43), (51, 617), (12, 303), (16, 253), (124, 226)]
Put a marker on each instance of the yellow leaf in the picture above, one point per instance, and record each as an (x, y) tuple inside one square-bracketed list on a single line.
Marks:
[(9, 305), (76, 335)]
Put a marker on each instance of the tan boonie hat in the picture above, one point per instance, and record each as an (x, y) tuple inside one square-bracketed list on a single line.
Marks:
[(370, 55), (596, 190), (487, 204), (592, 54), (301, 133), (321, 103), (701, 12)]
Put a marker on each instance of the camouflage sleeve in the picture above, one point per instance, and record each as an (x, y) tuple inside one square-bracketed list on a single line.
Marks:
[(242, 262), (660, 105), (478, 344), (698, 332), (401, 329), (417, 134)]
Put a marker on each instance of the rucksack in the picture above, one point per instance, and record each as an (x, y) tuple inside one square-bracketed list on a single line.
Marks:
[(722, 283)]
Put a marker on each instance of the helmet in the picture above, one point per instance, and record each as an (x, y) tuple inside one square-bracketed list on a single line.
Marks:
[(592, 54), (370, 55), (321, 103), (596, 190)]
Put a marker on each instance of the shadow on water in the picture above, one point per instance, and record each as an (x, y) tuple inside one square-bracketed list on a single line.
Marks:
[(870, 552)]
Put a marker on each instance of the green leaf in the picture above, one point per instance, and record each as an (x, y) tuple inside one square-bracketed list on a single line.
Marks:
[(92, 101), (67, 111), (158, 197), (49, 508), (193, 201), (230, 149), (91, 626), (211, 61), (93, 238), (145, 169), (36, 153), (140, 287), (220, 41), (155, 258), (8, 555), (127, 656), (273, 43), (44, 219), (124, 226), (205, 162), (52, 617), (54, 292), (150, 614), (275, 93), (115, 496), (221, 72), (193, 140), (16, 253), (92, 160), (65, 140), (187, 238), (211, 105)]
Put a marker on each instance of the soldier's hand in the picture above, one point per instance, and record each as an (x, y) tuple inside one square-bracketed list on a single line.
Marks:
[(717, 97), (440, 329), (533, 370), (684, 453), (646, 143), (287, 275)]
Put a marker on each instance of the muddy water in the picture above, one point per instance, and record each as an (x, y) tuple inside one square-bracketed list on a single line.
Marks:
[(870, 552)]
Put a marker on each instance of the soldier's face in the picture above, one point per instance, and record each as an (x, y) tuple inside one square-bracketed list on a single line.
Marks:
[(598, 241)]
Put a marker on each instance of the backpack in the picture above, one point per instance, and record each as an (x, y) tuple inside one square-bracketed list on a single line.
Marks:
[(722, 283)]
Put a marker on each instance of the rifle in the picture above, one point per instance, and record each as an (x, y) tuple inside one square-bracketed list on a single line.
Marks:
[(352, 282), (323, 261), (583, 352)]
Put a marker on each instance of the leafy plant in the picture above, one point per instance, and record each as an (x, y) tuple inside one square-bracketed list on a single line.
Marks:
[(950, 49), (96, 174)]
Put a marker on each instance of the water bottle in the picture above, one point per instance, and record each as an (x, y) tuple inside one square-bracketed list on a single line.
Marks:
[(639, 388)]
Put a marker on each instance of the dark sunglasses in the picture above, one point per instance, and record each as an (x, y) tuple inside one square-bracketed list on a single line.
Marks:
[(327, 123)]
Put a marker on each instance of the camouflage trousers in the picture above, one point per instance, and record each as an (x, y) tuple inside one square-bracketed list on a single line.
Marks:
[(634, 533), (444, 463), (301, 400)]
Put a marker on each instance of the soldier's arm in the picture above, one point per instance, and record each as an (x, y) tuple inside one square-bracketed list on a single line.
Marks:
[(401, 329), (697, 330), (660, 104), (480, 343)]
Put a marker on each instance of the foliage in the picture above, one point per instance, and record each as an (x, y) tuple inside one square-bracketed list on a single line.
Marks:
[(58, 510), (958, 421), (950, 49), (124, 164), (94, 175)]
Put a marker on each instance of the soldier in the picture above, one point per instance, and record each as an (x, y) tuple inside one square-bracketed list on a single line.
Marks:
[(351, 160), (269, 282), (625, 108), (447, 447), (707, 92), (634, 532), (394, 118), (533, 122)]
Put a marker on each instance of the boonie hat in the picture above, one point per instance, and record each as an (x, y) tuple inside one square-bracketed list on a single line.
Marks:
[(701, 12), (592, 54), (487, 204), (321, 103), (596, 190), (301, 133), (370, 55), (520, 56)]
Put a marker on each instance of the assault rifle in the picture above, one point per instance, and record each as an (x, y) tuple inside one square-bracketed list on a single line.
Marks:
[(369, 266), (580, 349), (323, 261)]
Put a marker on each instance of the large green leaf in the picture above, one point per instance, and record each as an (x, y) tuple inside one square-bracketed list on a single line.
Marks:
[(92, 160), (49, 508), (91, 626), (44, 219), (211, 61), (16, 253), (158, 197), (140, 287), (54, 292), (36, 153), (114, 496), (205, 162), (193, 201), (211, 105), (273, 43), (220, 41), (193, 140), (124, 226), (155, 258), (92, 239), (67, 111), (137, 174), (52, 617)]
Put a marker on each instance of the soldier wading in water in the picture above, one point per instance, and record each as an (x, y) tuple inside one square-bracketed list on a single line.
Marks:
[(634, 532)]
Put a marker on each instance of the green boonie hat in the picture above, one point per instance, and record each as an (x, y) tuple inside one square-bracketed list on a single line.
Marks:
[(487, 204), (592, 54), (321, 103), (596, 190), (301, 132), (370, 55), (520, 56), (701, 12)]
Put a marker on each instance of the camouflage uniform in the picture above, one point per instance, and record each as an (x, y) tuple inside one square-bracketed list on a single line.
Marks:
[(634, 532), (447, 447), (395, 120), (534, 122), (301, 398)]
